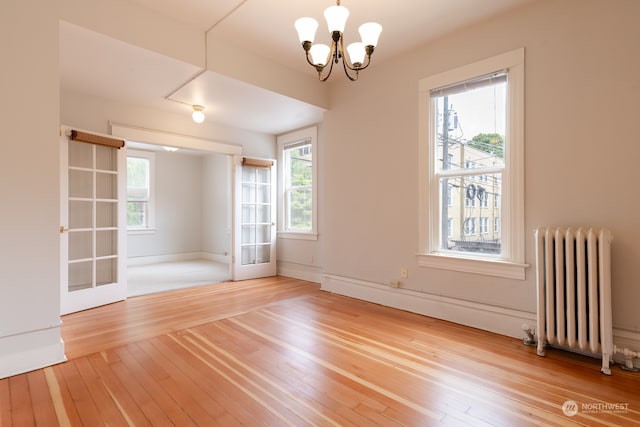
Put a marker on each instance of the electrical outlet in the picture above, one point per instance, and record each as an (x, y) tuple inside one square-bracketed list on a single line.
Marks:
[(404, 273)]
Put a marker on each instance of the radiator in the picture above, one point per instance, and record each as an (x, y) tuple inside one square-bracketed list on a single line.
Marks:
[(573, 279)]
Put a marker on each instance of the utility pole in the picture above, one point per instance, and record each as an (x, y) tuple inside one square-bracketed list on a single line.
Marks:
[(444, 221)]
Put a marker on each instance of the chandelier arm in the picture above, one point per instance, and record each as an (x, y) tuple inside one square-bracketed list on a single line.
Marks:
[(345, 64), (309, 61), (347, 68), (334, 59), (361, 67)]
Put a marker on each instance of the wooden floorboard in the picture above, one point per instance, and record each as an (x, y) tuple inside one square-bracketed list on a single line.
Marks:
[(281, 352)]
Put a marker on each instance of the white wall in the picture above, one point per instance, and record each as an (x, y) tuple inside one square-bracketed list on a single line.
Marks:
[(178, 208), (582, 151), (29, 177), (216, 205)]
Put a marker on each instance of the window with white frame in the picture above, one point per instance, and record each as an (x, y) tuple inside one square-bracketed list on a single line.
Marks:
[(470, 226), (483, 196), (486, 140), (484, 225), (140, 200), (297, 213)]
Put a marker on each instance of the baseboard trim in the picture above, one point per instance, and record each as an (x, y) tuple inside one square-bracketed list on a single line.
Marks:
[(299, 271), (490, 318), (186, 256), (29, 351), (500, 320)]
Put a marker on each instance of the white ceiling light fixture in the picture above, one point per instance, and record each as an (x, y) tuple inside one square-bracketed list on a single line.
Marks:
[(198, 114), (170, 149), (319, 55)]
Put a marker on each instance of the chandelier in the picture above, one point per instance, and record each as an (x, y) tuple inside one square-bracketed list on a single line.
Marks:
[(321, 56)]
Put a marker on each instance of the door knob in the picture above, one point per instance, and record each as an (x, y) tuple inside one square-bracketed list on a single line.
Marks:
[(63, 229)]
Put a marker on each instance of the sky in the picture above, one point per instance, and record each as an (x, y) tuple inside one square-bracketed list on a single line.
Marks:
[(481, 110)]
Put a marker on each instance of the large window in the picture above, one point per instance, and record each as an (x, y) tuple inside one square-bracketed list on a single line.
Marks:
[(472, 147), (298, 184), (140, 190)]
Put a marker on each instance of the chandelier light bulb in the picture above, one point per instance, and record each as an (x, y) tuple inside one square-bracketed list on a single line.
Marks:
[(370, 32), (336, 17), (306, 28), (356, 53), (198, 114), (319, 54)]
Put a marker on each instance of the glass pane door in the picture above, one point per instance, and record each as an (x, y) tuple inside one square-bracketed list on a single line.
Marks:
[(256, 215), (254, 236), (93, 220), (93, 225)]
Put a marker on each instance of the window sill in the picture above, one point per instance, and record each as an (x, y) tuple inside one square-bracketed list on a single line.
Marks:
[(297, 235), (135, 231), (488, 267)]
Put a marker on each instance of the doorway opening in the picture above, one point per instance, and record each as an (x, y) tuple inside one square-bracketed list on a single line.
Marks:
[(184, 239)]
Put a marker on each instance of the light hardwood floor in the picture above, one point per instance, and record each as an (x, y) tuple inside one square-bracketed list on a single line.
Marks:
[(280, 352)]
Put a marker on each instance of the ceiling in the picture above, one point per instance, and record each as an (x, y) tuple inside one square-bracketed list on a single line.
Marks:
[(98, 65)]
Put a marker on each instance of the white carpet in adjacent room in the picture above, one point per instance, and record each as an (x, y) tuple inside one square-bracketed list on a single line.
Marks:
[(165, 276)]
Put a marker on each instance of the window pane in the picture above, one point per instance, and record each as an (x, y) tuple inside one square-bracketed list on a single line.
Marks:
[(248, 234), (80, 184), (106, 214), (106, 271), (248, 193), (263, 194), (300, 209), (264, 214), (137, 172), (263, 175), (248, 255), (472, 209), (299, 161), (263, 254), (248, 214), (298, 192), (137, 214), (138, 192), (470, 128)]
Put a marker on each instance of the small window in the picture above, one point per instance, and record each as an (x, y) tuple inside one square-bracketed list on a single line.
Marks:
[(470, 226), (297, 213), (140, 173), (484, 225)]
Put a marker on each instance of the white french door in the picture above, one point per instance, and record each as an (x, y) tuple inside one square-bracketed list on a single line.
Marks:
[(93, 224), (254, 237)]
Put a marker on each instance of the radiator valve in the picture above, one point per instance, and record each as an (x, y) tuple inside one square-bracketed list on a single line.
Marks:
[(628, 355), (530, 339)]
